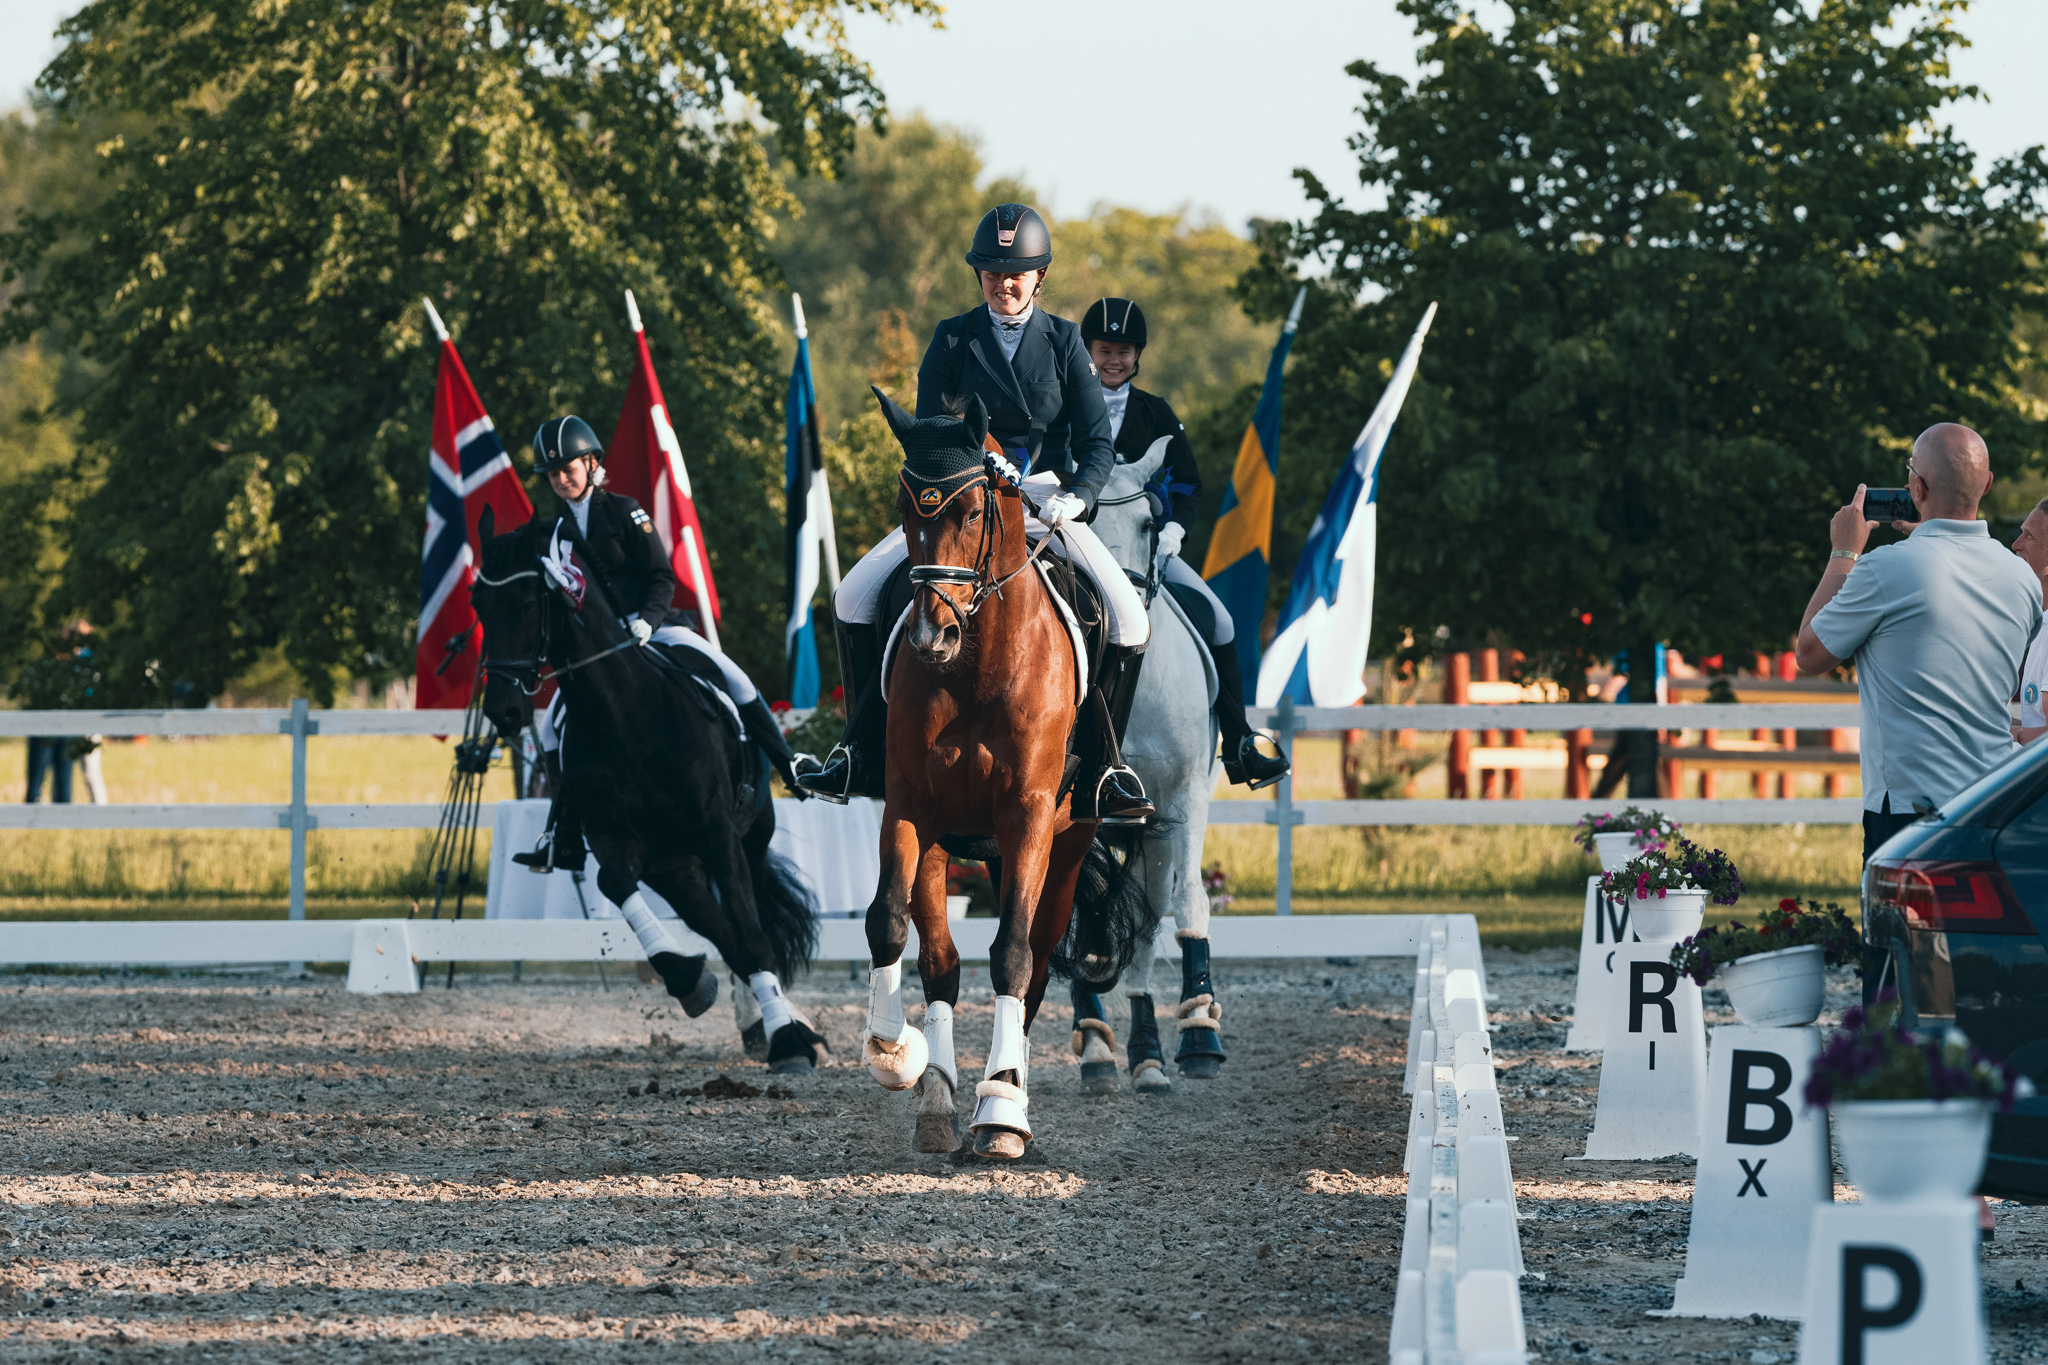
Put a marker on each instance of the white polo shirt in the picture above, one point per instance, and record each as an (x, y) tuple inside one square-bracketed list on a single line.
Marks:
[(1938, 625), (2034, 682)]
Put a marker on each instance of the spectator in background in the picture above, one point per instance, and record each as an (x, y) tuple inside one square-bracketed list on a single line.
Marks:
[(2032, 548), (1938, 625), (67, 681)]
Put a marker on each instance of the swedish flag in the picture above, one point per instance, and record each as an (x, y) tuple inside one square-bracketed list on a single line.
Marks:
[(1241, 546)]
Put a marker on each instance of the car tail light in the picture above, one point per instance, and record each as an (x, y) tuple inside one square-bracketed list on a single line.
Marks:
[(1952, 897)]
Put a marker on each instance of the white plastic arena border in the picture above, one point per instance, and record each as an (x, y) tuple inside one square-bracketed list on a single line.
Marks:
[(1283, 811), (1458, 1299)]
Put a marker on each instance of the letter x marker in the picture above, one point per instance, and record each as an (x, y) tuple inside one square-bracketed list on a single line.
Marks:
[(1750, 1178)]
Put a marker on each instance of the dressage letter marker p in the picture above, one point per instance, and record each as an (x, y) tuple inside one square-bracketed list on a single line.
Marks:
[(1746, 1250), (1655, 1061), (1893, 1284)]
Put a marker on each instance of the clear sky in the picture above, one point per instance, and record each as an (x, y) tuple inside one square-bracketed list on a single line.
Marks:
[(1209, 104)]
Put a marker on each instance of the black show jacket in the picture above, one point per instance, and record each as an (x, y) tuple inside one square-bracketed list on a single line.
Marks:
[(1047, 400), (1147, 417), (625, 550)]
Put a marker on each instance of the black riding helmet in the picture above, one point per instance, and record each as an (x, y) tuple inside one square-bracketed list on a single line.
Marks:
[(561, 440), (1011, 240), (1114, 320)]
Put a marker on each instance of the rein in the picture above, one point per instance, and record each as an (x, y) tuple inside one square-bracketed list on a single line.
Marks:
[(518, 669), (985, 585)]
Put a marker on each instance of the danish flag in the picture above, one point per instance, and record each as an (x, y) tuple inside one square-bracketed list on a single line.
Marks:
[(645, 462), (468, 471)]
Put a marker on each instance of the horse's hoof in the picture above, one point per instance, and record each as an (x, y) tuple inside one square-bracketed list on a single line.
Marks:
[(695, 988), (898, 1065), (1200, 1068), (754, 1040), (795, 1049), (1098, 1078), (999, 1144), (1151, 1079), (936, 1134)]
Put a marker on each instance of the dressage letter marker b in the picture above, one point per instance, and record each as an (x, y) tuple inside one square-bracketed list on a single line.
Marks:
[(1654, 1062), (1606, 929), (1763, 1167)]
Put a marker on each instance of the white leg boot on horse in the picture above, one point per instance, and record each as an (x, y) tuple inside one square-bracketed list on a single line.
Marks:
[(894, 1052), (685, 976), (1200, 1052), (746, 1016), (777, 1015), (1002, 1123), (1094, 1040), (938, 1128)]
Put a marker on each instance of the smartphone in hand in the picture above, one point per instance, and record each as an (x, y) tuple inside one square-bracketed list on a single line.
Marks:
[(1887, 505)]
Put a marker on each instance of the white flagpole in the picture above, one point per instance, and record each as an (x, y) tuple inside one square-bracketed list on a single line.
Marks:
[(440, 329)]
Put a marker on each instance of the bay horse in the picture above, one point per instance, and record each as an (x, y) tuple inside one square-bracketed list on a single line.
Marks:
[(654, 759), (983, 693)]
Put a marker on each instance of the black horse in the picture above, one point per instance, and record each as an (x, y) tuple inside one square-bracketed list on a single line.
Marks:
[(669, 791)]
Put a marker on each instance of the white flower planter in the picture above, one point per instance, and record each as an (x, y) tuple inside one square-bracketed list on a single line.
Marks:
[(1615, 849), (1902, 1150), (1669, 917), (1784, 989)]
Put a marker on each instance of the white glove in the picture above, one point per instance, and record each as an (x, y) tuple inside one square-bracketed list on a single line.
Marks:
[(642, 632), (1059, 509), (1170, 537)]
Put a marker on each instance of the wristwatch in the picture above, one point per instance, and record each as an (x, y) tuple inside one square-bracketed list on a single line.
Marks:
[(1851, 555)]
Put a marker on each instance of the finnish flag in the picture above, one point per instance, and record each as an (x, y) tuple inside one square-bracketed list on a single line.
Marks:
[(1318, 655)]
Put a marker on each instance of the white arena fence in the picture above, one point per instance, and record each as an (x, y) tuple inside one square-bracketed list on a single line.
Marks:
[(1283, 812)]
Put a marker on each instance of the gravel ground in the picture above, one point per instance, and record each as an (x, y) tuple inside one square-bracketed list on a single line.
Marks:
[(243, 1168)]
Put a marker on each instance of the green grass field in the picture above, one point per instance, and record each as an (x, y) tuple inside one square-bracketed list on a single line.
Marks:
[(1525, 883)]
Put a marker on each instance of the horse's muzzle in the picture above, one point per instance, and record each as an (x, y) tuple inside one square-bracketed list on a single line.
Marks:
[(936, 644)]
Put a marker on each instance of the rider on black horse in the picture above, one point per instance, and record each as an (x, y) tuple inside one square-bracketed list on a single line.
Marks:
[(1115, 332), (1045, 409), (619, 545)]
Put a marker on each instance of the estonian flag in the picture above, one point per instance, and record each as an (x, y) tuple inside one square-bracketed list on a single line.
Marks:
[(1318, 655), (1241, 546), (468, 470), (809, 504)]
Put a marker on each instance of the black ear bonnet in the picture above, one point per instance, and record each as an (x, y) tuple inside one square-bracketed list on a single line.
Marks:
[(943, 457)]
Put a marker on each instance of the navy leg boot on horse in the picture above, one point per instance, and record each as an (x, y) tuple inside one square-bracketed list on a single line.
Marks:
[(1107, 790), (1200, 1054), (1148, 1061), (1094, 1041), (1243, 764), (854, 767)]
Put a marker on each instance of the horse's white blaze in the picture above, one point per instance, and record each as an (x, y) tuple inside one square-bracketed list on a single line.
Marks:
[(647, 927), (893, 1052)]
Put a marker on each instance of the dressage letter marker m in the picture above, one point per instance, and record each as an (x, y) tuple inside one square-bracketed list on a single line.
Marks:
[(1763, 1167), (1606, 929)]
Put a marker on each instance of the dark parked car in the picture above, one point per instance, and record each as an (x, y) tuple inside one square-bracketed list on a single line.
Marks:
[(1960, 899)]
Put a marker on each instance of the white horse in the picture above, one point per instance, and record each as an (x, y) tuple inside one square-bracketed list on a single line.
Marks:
[(1171, 744)]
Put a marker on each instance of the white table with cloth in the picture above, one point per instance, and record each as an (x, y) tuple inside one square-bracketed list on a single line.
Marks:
[(837, 849)]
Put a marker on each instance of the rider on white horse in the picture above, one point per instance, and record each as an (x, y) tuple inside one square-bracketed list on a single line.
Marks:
[(615, 539), (1045, 410), (1115, 332)]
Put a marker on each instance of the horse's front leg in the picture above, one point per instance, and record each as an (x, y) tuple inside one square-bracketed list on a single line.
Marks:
[(894, 1053), (620, 861), (938, 967), (1002, 1123)]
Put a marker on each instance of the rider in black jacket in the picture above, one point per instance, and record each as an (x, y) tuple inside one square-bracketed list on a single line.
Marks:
[(618, 544), (1115, 332)]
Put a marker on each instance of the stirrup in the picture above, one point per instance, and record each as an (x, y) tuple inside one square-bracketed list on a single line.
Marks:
[(1140, 811), (808, 780), (1234, 765)]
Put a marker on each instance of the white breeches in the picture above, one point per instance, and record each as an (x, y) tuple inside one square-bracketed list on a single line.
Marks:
[(1179, 571), (549, 725), (859, 599)]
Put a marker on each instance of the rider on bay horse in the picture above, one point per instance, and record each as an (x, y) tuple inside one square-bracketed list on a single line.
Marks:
[(619, 545), (1045, 409), (1115, 332)]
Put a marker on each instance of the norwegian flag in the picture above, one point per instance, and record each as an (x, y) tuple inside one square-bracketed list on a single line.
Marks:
[(468, 471), (645, 462)]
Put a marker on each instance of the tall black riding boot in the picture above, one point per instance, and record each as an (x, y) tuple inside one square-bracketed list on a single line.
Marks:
[(762, 729), (855, 766), (1200, 1054), (1242, 761), (561, 843), (1093, 1034), (1108, 791)]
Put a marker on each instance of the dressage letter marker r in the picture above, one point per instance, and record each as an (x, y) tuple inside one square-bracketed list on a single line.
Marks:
[(1638, 997)]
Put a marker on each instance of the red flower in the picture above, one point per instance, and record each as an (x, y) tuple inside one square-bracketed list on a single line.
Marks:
[(1789, 905), (839, 694), (778, 706)]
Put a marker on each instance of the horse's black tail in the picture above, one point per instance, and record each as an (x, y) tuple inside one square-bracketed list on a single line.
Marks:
[(788, 910), (1113, 917)]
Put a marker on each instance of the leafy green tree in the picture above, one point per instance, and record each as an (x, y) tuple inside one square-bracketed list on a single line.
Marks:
[(296, 177), (1703, 267)]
